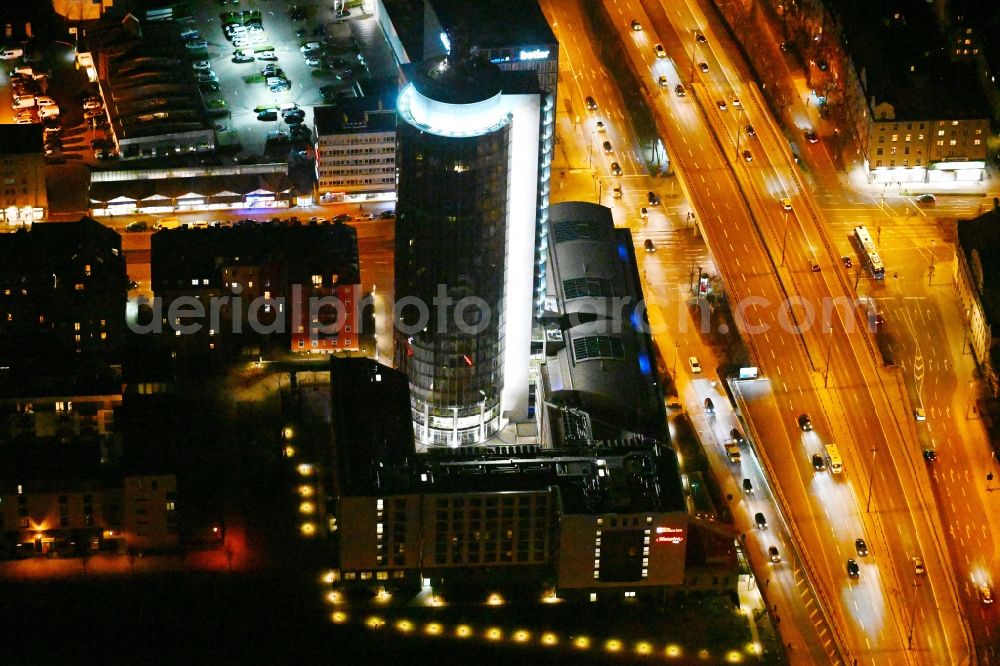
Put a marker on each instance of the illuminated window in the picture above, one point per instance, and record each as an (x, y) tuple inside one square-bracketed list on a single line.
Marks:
[(976, 142), (895, 137), (76, 326), (907, 137), (952, 142), (317, 280), (940, 132)]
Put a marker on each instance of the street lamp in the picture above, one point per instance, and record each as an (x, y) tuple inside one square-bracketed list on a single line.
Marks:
[(694, 48), (829, 348), (913, 615), (784, 241), (871, 479), (677, 351)]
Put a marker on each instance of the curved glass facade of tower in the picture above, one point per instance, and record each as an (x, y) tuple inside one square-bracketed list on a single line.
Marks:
[(453, 157)]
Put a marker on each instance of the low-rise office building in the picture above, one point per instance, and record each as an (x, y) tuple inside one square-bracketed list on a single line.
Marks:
[(22, 170), (355, 151), (164, 191)]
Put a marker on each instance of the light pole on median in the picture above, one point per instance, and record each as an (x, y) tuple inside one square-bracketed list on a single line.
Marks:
[(677, 351), (871, 479), (784, 241), (694, 48), (913, 615), (829, 348)]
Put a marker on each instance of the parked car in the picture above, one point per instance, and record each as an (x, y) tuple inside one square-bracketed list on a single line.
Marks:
[(267, 115), (208, 86), (48, 112), (310, 46), (11, 53), (201, 65), (138, 225), (242, 59), (268, 56), (195, 44), (89, 104)]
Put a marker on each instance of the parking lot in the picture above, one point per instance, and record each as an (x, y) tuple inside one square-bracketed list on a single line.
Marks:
[(243, 86)]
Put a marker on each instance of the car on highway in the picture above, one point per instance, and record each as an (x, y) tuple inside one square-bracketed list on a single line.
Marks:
[(926, 198), (679, 90), (607, 147), (663, 81), (814, 266), (636, 26), (659, 50), (703, 66), (818, 463), (853, 570), (644, 212), (616, 169), (648, 245), (918, 567), (747, 156), (805, 422), (861, 547), (653, 198), (694, 364), (930, 455), (709, 406), (721, 103), (919, 414), (773, 553), (600, 127), (738, 436), (786, 203), (847, 261), (751, 131), (760, 520), (701, 38), (748, 486), (590, 103), (811, 136), (737, 104), (985, 594)]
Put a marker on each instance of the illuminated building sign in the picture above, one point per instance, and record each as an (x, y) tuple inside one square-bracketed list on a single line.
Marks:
[(673, 535), (535, 54)]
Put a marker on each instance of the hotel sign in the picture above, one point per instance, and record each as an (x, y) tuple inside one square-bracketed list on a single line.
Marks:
[(674, 535)]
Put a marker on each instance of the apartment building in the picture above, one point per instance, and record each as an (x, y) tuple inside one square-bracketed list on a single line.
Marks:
[(22, 169)]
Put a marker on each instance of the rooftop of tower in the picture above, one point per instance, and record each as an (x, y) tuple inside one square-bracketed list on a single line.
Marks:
[(458, 78)]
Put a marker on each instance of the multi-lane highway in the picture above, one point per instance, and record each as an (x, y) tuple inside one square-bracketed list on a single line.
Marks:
[(890, 609)]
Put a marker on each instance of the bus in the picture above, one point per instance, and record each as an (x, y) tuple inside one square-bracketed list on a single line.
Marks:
[(833, 459), (869, 252)]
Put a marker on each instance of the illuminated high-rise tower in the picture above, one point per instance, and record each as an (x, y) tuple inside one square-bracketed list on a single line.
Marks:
[(469, 163)]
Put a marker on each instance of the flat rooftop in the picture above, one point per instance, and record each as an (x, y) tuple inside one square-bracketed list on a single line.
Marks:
[(904, 54), (497, 24)]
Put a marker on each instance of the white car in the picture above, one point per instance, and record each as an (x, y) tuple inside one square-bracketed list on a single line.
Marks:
[(660, 51), (48, 112), (310, 46), (24, 121), (313, 62), (786, 203), (195, 44), (23, 102), (10, 54), (45, 101), (694, 364), (201, 65)]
